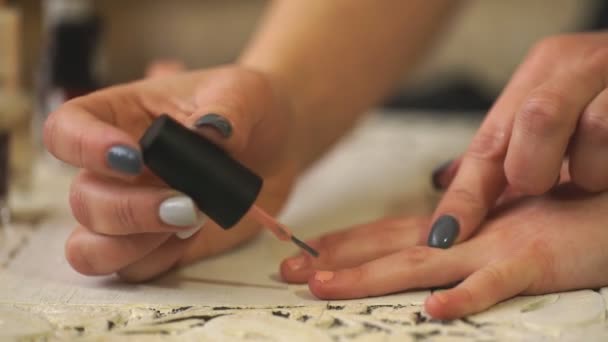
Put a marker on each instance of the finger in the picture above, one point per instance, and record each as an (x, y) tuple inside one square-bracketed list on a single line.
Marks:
[(154, 264), (484, 288), (223, 109), (480, 178), (229, 113), (99, 131), (111, 207), (76, 137), (96, 254), (588, 152), (511, 194), (213, 240), (543, 127), (353, 247), (443, 175), (414, 267)]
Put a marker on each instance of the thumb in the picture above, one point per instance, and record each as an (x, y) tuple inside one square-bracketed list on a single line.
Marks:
[(232, 107)]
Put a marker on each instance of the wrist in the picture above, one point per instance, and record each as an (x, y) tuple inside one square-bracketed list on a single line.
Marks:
[(297, 148)]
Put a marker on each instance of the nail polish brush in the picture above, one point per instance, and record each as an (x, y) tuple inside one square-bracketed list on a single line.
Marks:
[(220, 186)]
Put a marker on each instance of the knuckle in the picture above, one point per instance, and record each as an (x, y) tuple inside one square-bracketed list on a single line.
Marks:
[(125, 215), (598, 60), (489, 144), (416, 254), (493, 276), (361, 275), (540, 113), (474, 203), (80, 148), (547, 48), (78, 204), (541, 253), (468, 296), (518, 177)]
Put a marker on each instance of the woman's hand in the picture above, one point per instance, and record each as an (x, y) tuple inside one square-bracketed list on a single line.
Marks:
[(531, 246), (554, 107), (128, 218)]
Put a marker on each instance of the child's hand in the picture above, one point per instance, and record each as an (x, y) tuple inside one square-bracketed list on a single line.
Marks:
[(128, 218), (532, 246)]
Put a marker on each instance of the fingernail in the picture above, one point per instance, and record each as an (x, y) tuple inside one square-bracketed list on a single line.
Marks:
[(297, 263), (440, 297), (186, 234), (558, 180), (216, 121), (324, 276), (124, 159), (438, 172), (179, 211), (444, 232)]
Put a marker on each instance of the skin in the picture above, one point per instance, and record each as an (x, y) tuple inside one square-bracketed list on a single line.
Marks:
[(336, 59), (518, 250), (554, 108), (119, 226), (295, 91), (275, 132)]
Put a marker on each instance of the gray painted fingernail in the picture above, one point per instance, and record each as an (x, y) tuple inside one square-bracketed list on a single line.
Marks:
[(124, 159), (438, 172), (216, 121), (179, 211), (444, 232)]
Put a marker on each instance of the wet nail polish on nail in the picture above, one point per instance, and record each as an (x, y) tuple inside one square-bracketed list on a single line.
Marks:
[(440, 297), (216, 121), (124, 159), (297, 263), (444, 232), (324, 276)]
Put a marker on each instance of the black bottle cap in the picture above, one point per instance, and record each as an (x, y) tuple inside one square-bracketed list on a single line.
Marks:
[(220, 186)]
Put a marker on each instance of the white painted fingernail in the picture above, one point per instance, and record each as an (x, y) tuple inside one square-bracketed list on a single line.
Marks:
[(186, 234), (179, 211)]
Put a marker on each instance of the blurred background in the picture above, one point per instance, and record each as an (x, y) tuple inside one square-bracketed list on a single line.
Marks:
[(52, 50), (483, 44)]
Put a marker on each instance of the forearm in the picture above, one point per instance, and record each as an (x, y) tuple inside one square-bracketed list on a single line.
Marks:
[(337, 58)]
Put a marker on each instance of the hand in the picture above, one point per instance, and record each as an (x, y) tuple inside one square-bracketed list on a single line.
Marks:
[(128, 218), (532, 246), (554, 107)]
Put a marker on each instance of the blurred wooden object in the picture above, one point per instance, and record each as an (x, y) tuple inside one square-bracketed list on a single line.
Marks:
[(9, 48), (15, 118)]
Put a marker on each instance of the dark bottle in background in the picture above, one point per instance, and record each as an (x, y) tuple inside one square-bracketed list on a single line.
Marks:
[(69, 54)]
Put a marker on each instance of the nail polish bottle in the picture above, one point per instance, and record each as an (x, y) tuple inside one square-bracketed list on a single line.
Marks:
[(220, 186)]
